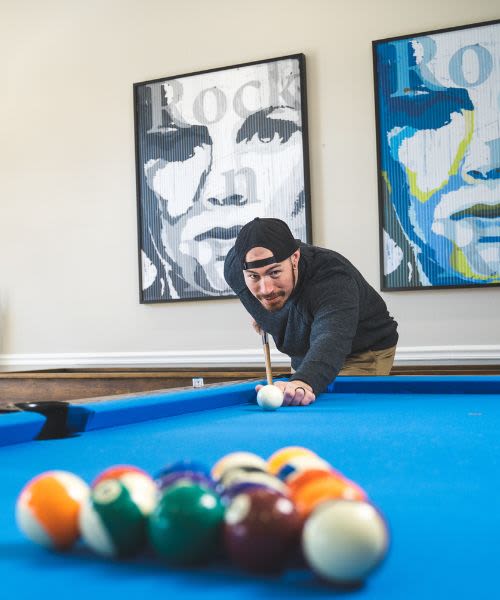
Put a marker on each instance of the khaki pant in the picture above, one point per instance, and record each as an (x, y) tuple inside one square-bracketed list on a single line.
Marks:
[(371, 362)]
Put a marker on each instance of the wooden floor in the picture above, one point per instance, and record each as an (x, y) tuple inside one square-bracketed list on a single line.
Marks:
[(73, 384)]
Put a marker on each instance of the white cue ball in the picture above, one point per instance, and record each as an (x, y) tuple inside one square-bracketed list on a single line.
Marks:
[(269, 397), (344, 540)]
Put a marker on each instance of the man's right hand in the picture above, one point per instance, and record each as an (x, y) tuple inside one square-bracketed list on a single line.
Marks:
[(295, 393)]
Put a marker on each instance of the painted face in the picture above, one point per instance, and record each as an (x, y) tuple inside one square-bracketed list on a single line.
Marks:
[(450, 152), (273, 284), (229, 150)]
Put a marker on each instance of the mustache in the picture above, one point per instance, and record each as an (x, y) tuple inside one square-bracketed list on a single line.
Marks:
[(280, 294), (486, 211), (222, 233)]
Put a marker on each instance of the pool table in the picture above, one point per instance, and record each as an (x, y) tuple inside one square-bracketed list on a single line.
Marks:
[(426, 449)]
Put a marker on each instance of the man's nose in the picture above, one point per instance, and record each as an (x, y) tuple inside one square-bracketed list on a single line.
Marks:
[(265, 286), (230, 200), (225, 184), (489, 167), (482, 157), (221, 189)]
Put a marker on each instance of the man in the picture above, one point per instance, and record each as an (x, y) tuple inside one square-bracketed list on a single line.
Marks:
[(440, 157), (318, 308), (215, 150)]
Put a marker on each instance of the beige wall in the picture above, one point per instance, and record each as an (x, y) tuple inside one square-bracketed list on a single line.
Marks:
[(68, 240)]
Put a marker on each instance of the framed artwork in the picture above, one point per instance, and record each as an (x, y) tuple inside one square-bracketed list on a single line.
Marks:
[(214, 150), (437, 98)]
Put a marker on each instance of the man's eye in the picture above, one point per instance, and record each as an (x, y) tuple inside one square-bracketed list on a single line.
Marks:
[(178, 145), (259, 127), (274, 130), (434, 108), (275, 273)]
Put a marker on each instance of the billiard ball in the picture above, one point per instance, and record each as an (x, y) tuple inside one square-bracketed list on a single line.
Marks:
[(261, 530), (239, 472), (184, 470), (237, 459), (299, 464), (240, 476), (269, 397), (184, 465), (299, 480), (165, 481), (48, 506), (113, 519), (229, 493), (186, 524), (343, 541), (117, 472), (311, 493), (283, 455), (132, 477)]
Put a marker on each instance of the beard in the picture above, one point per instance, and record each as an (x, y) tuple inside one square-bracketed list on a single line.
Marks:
[(271, 297)]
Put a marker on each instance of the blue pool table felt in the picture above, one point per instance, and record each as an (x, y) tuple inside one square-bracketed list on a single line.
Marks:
[(429, 461)]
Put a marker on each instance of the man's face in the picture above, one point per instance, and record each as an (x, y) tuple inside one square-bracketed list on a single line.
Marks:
[(273, 284), (232, 152), (452, 167)]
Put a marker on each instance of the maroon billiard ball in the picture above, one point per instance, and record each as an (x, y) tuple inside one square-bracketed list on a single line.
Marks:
[(262, 530)]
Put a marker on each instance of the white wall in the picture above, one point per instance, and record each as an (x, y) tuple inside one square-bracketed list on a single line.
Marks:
[(68, 238)]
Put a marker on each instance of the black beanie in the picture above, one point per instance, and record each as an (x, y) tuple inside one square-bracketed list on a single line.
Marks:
[(273, 234)]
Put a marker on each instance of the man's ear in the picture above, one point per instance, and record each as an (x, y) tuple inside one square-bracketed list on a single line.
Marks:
[(295, 258)]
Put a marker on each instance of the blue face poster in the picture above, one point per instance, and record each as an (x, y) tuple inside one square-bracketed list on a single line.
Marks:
[(214, 150), (438, 140)]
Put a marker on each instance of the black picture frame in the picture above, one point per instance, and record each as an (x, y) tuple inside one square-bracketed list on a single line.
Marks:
[(214, 149), (439, 193)]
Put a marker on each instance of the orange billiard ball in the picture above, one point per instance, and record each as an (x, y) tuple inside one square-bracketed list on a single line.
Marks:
[(322, 488), (48, 507)]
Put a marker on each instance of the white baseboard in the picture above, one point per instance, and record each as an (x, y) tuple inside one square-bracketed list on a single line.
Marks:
[(448, 355), (428, 355)]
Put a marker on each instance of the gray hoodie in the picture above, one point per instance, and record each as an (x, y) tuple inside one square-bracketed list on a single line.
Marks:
[(333, 312)]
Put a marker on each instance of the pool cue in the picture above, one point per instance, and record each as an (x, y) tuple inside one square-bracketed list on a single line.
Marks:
[(267, 356)]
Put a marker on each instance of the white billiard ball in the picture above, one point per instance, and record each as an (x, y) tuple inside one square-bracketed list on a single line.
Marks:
[(269, 397), (344, 540)]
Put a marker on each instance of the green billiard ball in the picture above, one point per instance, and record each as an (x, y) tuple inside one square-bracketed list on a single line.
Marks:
[(186, 525), (113, 520)]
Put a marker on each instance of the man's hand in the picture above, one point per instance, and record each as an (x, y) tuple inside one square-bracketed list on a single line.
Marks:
[(257, 327), (295, 393)]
